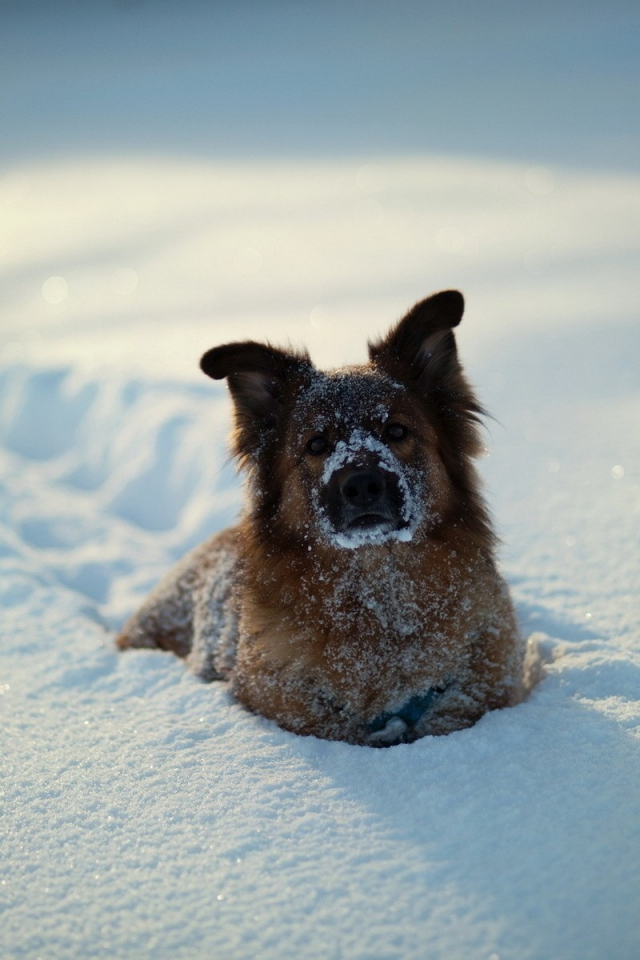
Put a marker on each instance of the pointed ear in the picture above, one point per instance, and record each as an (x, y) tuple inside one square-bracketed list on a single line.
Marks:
[(422, 345), (256, 374)]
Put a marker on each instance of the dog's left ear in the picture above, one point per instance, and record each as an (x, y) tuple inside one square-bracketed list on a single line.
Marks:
[(422, 344)]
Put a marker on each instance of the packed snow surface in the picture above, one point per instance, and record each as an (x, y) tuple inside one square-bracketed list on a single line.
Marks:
[(145, 814)]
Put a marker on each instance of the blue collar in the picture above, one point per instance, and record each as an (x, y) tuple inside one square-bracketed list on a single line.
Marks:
[(410, 714)]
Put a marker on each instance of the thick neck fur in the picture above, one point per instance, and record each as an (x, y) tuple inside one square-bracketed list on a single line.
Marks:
[(374, 591)]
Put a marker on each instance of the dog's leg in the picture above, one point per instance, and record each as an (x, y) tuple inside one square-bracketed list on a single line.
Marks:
[(494, 676), (188, 612), (165, 620)]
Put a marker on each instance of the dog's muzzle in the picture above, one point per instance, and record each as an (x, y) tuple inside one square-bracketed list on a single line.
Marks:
[(364, 498)]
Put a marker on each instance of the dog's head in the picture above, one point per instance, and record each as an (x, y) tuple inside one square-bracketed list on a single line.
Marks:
[(364, 455)]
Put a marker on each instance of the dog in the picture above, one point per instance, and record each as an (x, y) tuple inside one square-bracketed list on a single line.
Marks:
[(358, 597)]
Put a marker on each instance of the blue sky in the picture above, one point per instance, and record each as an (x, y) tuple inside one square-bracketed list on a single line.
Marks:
[(550, 83)]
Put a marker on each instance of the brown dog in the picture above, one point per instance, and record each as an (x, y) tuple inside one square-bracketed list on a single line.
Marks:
[(358, 598)]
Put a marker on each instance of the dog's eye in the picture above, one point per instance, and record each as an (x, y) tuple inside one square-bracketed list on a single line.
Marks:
[(317, 445), (395, 431)]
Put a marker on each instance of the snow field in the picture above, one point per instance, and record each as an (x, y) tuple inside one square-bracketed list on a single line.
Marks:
[(145, 814)]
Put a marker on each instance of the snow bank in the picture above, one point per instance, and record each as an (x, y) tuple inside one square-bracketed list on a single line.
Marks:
[(145, 814)]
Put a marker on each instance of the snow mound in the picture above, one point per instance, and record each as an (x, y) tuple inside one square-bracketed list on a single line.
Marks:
[(146, 814)]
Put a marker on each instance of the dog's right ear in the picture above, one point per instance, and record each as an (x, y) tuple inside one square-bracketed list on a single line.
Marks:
[(257, 374)]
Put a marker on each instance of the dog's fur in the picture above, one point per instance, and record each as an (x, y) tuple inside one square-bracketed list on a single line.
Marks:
[(358, 598)]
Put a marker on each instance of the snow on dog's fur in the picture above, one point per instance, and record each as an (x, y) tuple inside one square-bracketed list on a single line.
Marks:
[(358, 597)]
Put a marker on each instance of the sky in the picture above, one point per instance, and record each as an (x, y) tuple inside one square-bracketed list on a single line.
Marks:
[(545, 83)]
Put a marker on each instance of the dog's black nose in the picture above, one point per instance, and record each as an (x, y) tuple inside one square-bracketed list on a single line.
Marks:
[(363, 488)]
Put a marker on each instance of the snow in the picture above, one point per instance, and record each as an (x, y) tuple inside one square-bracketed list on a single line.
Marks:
[(145, 814)]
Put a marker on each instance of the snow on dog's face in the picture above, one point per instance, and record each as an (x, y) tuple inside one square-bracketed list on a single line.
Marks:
[(362, 456), (358, 452)]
